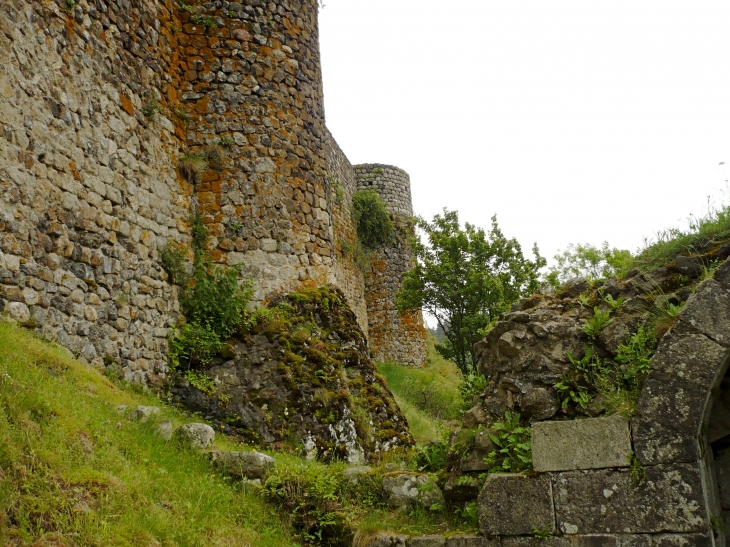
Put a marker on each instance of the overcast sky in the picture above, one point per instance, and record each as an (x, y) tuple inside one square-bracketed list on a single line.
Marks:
[(573, 121)]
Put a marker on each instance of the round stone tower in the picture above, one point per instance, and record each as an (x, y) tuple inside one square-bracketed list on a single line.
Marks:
[(253, 91), (394, 336)]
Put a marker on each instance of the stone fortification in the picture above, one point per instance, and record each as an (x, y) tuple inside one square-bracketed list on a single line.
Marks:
[(88, 188), (394, 335), (100, 101)]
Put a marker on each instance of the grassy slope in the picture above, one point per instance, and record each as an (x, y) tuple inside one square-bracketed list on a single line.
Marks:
[(429, 396), (75, 473)]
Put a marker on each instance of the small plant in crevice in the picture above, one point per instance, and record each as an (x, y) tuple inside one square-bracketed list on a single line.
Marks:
[(192, 167), (214, 156), (543, 533), (598, 322), (152, 107), (226, 141), (182, 6), (205, 20), (70, 5), (636, 471), (433, 456), (357, 253), (514, 453), (201, 381), (570, 392), (180, 113), (339, 191)]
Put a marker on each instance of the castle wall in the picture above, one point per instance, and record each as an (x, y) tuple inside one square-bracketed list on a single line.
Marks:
[(256, 80), (88, 188), (394, 335), (348, 275)]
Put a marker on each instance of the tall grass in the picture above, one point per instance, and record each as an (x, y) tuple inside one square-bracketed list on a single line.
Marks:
[(429, 396), (700, 235), (74, 472)]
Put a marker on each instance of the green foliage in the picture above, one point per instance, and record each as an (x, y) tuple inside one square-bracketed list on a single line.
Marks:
[(585, 260), (201, 381), (191, 167), (215, 299), (465, 278), (595, 324), (205, 20), (613, 304), (433, 456), (636, 471), (357, 252), (472, 384), (543, 533), (173, 256), (336, 187), (226, 141), (374, 226), (151, 108), (193, 346), (182, 6), (514, 452), (70, 5), (569, 392), (620, 386), (180, 114)]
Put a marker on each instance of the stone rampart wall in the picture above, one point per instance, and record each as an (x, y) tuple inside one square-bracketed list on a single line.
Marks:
[(88, 187), (254, 79), (394, 336), (348, 276)]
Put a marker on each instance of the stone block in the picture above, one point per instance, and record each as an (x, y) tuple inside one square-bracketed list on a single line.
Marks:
[(164, 430), (427, 541), (474, 460), (667, 426), (384, 539), (17, 311), (404, 490), (708, 312), (144, 413), (250, 465), (514, 505), (593, 443), (536, 542), (683, 540), (606, 500), (472, 541), (621, 540), (195, 435), (453, 491)]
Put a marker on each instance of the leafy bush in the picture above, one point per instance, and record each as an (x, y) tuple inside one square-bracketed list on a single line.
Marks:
[(201, 381), (600, 319), (472, 384), (585, 260), (193, 346), (172, 257), (374, 226), (215, 299), (514, 452)]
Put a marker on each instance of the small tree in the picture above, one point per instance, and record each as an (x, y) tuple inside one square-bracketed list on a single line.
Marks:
[(590, 262), (374, 226), (465, 278)]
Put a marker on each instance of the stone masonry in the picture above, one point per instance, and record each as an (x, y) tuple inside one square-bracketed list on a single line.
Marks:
[(99, 100)]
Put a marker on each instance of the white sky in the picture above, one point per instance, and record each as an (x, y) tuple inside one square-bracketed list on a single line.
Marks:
[(573, 121)]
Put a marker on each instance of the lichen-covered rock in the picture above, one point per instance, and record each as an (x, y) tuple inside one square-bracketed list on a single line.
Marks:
[(405, 490), (195, 435), (474, 417), (431, 540), (250, 465), (516, 505), (164, 430), (144, 413), (385, 539), (303, 373)]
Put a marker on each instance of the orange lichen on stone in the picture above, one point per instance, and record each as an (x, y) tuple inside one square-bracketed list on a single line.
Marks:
[(74, 171), (126, 104)]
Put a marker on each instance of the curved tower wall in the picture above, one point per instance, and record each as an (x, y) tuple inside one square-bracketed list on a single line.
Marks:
[(255, 81), (394, 336)]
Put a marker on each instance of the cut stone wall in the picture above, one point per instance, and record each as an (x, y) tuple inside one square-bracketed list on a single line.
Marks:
[(88, 187), (394, 336)]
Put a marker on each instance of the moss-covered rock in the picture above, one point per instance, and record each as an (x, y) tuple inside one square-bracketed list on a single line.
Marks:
[(301, 374)]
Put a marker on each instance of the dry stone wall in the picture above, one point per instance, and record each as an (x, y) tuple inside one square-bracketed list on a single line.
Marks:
[(394, 335), (88, 188)]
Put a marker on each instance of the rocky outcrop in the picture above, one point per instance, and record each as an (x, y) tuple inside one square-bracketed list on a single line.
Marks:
[(303, 376)]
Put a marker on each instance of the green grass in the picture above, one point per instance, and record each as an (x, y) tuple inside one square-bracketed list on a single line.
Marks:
[(698, 236), (429, 396), (73, 472)]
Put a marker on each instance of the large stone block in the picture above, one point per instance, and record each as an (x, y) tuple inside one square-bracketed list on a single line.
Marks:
[(472, 541), (669, 420), (606, 501), (612, 541), (536, 542), (427, 541), (683, 540), (592, 443), (708, 312), (515, 505)]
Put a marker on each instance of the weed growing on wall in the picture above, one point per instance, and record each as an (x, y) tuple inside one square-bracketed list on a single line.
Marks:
[(193, 346), (374, 225), (173, 257), (514, 453)]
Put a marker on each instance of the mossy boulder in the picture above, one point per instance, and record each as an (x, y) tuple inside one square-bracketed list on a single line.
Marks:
[(301, 375)]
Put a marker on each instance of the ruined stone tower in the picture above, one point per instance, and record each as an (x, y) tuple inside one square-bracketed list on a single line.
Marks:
[(99, 101)]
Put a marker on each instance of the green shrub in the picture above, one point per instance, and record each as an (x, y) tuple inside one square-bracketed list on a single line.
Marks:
[(172, 257), (201, 381), (374, 226), (193, 346)]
